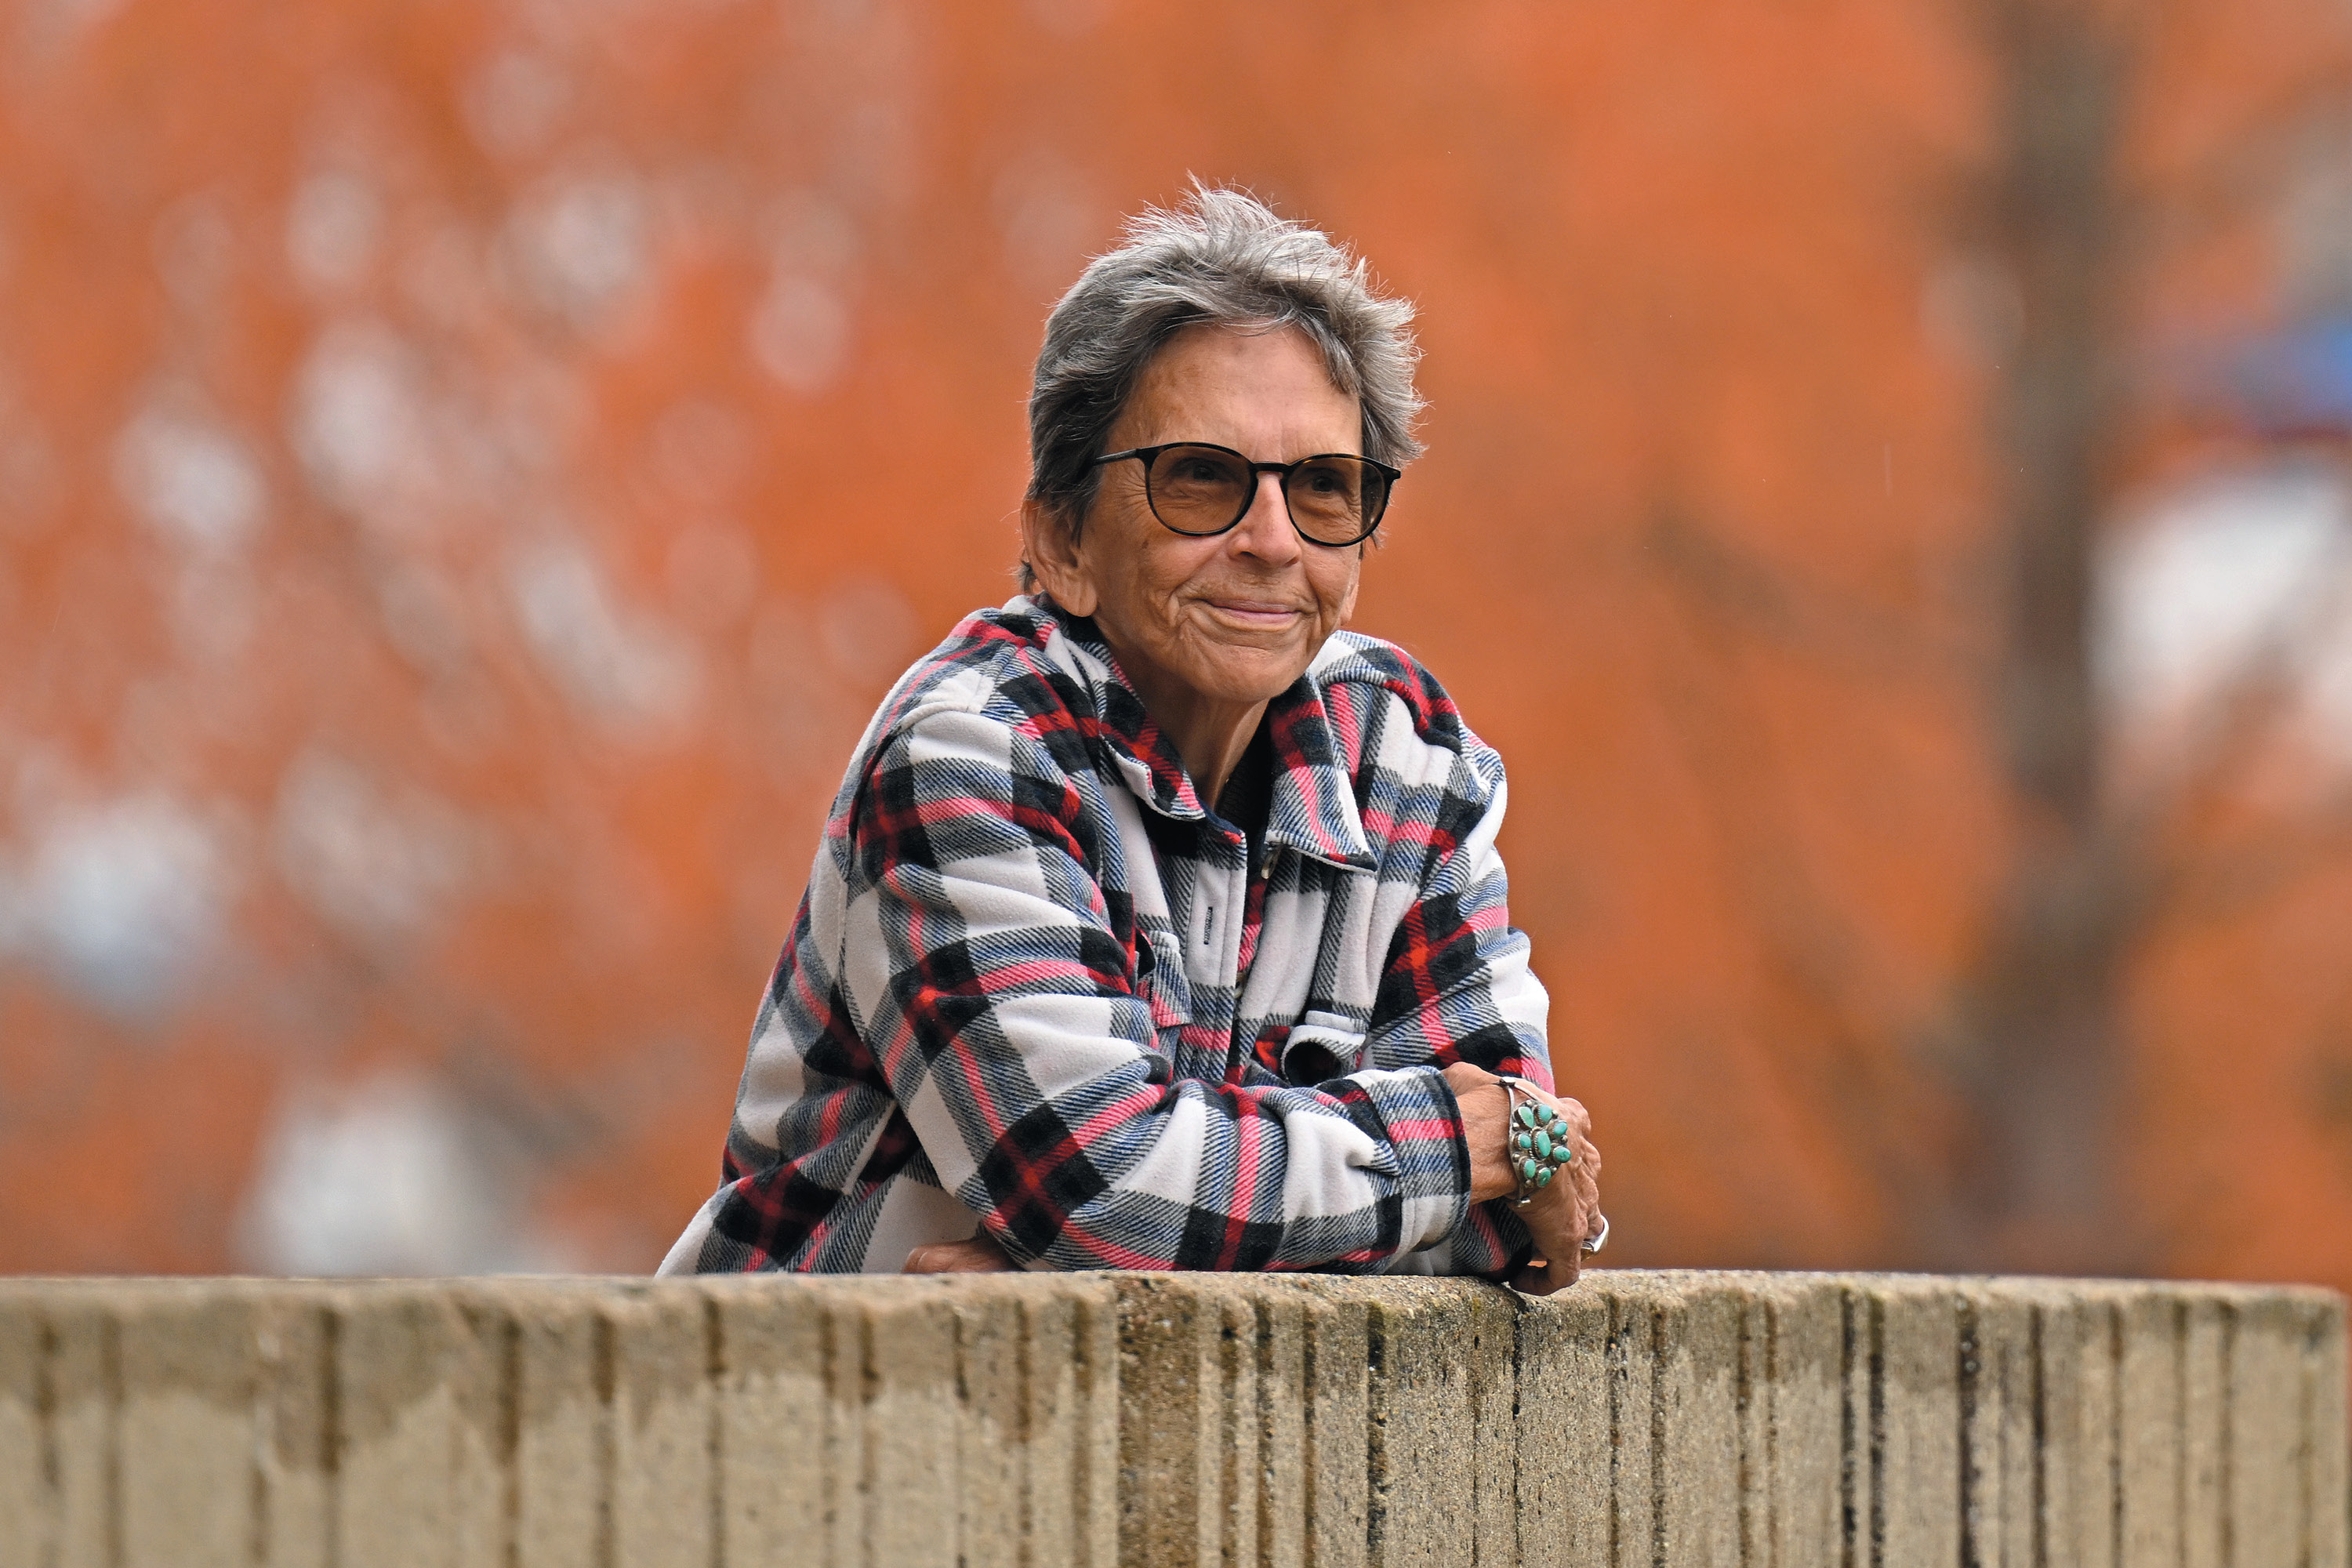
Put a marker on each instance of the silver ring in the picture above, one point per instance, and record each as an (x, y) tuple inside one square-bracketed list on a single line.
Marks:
[(1592, 1244)]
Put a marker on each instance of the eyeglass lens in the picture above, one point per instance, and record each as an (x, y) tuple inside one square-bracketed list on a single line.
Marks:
[(1203, 490)]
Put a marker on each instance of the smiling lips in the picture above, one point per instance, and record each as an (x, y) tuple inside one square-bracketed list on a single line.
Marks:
[(1256, 612)]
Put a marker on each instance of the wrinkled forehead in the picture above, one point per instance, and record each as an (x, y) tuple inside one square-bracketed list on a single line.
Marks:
[(1264, 391)]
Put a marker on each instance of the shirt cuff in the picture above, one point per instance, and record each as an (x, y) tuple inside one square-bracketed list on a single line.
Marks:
[(1423, 1124)]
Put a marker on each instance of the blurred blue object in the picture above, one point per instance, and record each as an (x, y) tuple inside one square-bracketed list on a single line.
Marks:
[(2297, 382)]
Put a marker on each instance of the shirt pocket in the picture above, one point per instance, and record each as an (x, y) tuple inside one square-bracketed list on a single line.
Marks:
[(1161, 982), (1320, 1047)]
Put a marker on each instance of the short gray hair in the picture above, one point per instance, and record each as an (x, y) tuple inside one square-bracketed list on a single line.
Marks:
[(1222, 258)]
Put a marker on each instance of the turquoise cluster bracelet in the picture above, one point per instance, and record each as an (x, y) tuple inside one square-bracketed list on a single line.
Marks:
[(1540, 1146)]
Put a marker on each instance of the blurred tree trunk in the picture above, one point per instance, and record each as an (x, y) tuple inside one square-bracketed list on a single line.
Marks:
[(2039, 1011)]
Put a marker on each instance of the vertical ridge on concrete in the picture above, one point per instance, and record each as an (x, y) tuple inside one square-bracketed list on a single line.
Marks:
[(1494, 1458), (778, 1466), (910, 1375), (1027, 1471), (1795, 1456), (1237, 1430), (1281, 1365), (22, 1430), (2038, 1422), (1997, 1452), (605, 1439), (2205, 1434), (2266, 1428), (1379, 1468), (2077, 1429), (846, 1379), (2152, 1416), (1916, 1422), (1657, 1437), (1632, 1354), (562, 1460), (652, 1372), (184, 1397), (2112, 1322), (330, 1429), (714, 1447), (2327, 1385), (1336, 1361), (80, 1462), (1855, 1470), (490, 1428), (993, 1355), (291, 1507), (1625, 1461), (1563, 1448), (1094, 1431), (1872, 1369), (1695, 1440), (1970, 1390), (1164, 1410), (1754, 1435), (2226, 1525)]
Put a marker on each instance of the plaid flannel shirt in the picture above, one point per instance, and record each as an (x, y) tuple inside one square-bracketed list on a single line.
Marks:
[(1036, 990)]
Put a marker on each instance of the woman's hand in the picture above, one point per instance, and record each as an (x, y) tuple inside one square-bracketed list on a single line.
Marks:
[(978, 1255), (1565, 1214)]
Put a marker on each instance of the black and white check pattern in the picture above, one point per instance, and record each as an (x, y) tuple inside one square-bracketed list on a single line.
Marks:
[(1036, 989)]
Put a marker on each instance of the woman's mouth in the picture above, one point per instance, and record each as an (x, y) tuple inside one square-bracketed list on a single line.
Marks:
[(1256, 612)]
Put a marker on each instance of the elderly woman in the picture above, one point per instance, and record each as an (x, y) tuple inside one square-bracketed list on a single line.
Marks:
[(1159, 922)]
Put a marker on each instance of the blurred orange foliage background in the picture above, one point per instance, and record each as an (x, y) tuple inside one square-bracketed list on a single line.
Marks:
[(467, 471)]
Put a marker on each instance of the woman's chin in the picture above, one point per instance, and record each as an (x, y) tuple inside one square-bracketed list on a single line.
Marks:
[(1246, 676)]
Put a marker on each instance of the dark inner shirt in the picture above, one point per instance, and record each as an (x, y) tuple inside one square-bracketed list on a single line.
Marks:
[(1247, 803), (1248, 797)]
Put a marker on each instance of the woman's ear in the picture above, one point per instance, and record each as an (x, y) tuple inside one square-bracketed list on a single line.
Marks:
[(1053, 555)]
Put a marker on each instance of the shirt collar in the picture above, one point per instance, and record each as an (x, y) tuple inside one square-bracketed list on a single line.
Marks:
[(1314, 804)]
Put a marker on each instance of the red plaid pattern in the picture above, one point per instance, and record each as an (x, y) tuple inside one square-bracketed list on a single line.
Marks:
[(1035, 988)]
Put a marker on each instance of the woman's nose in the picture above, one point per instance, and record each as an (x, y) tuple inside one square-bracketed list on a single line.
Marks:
[(1265, 531)]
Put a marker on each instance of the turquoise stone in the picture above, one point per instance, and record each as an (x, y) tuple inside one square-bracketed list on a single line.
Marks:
[(1528, 1169), (1527, 1115), (1543, 1147), (1559, 1129), (1526, 1140), (1544, 1180)]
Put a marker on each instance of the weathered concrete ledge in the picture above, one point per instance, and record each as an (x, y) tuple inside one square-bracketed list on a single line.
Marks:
[(1641, 1418)]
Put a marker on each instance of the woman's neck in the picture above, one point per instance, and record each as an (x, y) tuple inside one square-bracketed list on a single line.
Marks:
[(1209, 734)]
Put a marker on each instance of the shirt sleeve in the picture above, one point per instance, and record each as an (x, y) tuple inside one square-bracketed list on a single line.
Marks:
[(979, 957), (1457, 985)]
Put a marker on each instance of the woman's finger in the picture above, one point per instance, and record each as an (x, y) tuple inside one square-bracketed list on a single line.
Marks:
[(1556, 1221), (1540, 1279), (1586, 1176), (978, 1255)]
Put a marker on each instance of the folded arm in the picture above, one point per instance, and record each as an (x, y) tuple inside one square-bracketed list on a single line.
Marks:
[(988, 982), (1457, 987)]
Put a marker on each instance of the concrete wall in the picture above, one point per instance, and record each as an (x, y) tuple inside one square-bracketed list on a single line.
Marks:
[(1641, 1418)]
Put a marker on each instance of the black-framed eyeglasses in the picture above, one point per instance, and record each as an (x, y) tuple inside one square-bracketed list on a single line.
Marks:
[(1198, 490)]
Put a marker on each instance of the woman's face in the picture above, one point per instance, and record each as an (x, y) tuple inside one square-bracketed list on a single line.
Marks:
[(1235, 618)]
